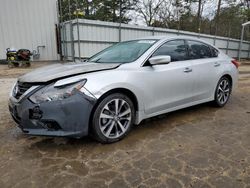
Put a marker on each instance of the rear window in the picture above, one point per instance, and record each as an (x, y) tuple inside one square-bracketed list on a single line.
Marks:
[(215, 52), (199, 50)]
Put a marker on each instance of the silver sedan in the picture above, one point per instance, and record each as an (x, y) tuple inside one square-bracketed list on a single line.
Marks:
[(120, 86)]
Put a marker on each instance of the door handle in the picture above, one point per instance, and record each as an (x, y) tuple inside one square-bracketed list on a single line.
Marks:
[(187, 70), (216, 64)]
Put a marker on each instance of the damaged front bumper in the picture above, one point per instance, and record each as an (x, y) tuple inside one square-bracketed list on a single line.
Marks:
[(67, 117)]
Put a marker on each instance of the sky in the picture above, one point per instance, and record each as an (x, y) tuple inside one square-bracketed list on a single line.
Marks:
[(209, 11)]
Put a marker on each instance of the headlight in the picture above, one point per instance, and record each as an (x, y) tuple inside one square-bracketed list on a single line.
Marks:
[(52, 93), (13, 90)]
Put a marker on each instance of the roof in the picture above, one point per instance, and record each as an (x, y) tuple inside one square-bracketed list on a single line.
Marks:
[(165, 37), (169, 37)]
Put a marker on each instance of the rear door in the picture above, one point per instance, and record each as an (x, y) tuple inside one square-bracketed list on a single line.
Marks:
[(205, 65)]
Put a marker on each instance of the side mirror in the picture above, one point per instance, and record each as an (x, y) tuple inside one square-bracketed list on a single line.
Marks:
[(161, 59)]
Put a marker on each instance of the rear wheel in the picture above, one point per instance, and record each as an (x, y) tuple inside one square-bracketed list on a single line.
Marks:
[(113, 118), (223, 91)]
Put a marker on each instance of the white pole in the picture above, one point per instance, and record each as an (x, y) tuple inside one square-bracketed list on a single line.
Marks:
[(242, 37), (241, 40), (78, 32)]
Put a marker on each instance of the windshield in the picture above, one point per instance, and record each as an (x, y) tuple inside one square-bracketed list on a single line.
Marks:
[(123, 52)]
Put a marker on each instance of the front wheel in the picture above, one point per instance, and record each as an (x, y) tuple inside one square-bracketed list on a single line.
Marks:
[(113, 118), (223, 91)]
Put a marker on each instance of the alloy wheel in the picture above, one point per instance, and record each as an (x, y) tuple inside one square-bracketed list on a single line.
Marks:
[(223, 91), (115, 118)]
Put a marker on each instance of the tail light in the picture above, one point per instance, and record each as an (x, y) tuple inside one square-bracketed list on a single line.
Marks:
[(236, 63)]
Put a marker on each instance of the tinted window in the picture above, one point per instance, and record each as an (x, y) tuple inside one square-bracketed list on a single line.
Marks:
[(176, 49), (215, 52), (199, 50)]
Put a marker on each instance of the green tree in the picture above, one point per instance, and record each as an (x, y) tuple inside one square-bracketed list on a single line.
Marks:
[(225, 19), (230, 21), (105, 10)]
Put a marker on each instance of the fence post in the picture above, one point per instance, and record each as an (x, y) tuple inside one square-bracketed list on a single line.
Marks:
[(78, 40), (78, 32), (120, 32), (66, 42), (63, 39), (248, 50), (228, 39), (120, 20), (153, 31), (72, 41), (227, 45), (241, 41)]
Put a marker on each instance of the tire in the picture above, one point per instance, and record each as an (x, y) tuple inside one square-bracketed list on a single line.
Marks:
[(222, 92), (113, 118)]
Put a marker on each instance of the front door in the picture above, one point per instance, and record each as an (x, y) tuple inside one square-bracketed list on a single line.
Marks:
[(171, 84)]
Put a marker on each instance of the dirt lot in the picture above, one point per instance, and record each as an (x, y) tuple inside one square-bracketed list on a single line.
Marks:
[(200, 146)]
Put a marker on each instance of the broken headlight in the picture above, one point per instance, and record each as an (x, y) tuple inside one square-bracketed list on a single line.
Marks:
[(52, 92)]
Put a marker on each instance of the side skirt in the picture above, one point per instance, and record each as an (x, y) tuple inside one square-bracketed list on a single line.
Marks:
[(140, 115)]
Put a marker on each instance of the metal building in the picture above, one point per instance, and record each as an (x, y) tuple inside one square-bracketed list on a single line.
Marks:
[(29, 24)]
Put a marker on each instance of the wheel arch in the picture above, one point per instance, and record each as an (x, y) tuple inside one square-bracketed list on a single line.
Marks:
[(124, 91), (224, 75), (229, 77), (215, 101)]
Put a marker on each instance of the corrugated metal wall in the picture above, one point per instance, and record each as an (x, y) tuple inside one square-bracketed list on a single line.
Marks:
[(97, 35), (29, 24)]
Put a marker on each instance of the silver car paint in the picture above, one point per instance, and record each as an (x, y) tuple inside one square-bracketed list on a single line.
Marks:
[(51, 72), (163, 88)]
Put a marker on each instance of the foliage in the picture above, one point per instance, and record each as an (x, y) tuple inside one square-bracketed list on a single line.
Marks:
[(224, 19), (105, 10)]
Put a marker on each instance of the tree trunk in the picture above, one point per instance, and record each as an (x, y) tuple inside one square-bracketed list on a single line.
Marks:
[(199, 16), (87, 8), (217, 17)]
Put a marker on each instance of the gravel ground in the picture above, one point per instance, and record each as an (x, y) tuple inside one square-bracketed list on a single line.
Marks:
[(201, 146)]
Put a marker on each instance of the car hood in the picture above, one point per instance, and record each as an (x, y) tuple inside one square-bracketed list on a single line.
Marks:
[(56, 71)]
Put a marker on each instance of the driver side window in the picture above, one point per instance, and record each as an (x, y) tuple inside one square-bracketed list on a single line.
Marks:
[(176, 49)]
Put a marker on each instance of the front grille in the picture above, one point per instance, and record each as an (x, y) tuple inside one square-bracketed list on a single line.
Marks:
[(21, 88)]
